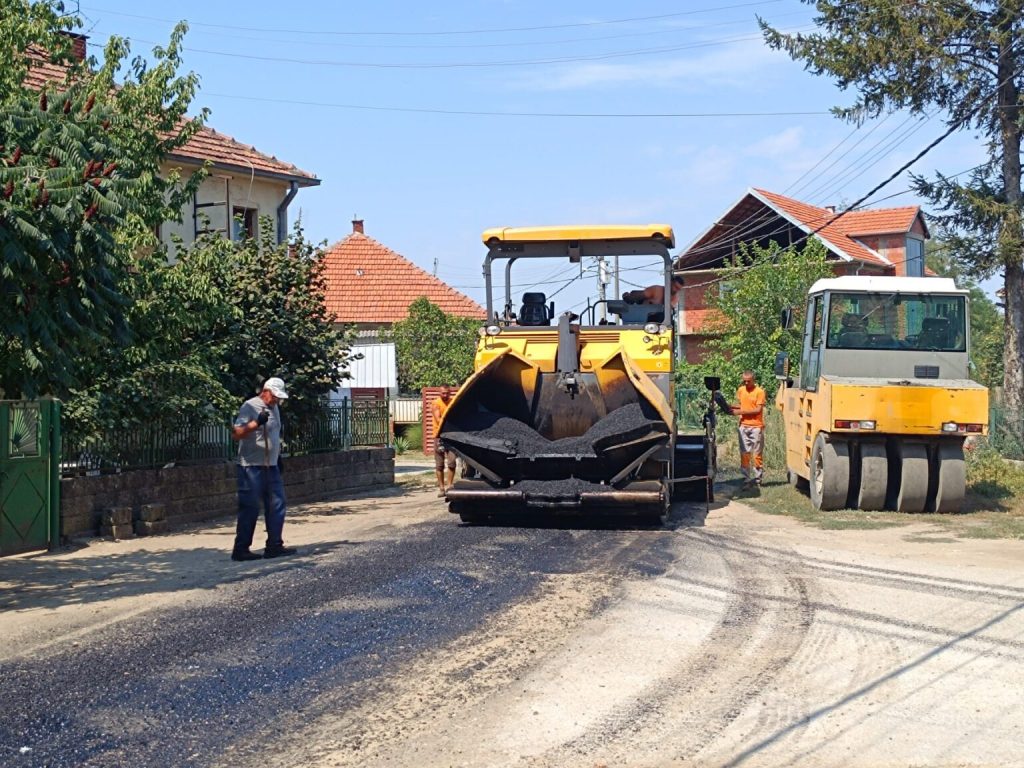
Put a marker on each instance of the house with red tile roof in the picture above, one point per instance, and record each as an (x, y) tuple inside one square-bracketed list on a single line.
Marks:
[(370, 286), (880, 241), (243, 183)]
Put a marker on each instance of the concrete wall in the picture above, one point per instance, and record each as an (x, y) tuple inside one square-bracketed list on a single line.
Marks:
[(203, 492)]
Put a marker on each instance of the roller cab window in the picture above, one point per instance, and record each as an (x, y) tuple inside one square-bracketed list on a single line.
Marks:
[(888, 321)]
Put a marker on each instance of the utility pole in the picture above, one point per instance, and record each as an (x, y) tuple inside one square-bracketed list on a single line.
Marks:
[(435, 266), (618, 288), (602, 283)]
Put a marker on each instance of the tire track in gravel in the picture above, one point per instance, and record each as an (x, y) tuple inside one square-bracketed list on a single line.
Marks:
[(428, 698), (751, 644), (853, 620), (941, 586)]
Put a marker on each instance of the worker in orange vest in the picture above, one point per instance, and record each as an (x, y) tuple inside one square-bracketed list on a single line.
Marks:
[(442, 458), (751, 429)]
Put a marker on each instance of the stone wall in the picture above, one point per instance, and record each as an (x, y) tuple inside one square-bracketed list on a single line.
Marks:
[(202, 492)]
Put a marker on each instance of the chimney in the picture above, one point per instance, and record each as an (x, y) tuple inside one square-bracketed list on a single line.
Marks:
[(78, 44), (830, 208), (357, 226)]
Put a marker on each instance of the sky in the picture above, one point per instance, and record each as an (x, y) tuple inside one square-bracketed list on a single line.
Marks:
[(435, 121)]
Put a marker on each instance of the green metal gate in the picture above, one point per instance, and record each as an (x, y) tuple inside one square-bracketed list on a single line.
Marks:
[(29, 475)]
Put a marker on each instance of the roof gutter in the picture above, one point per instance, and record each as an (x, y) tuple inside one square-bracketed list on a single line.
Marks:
[(282, 212)]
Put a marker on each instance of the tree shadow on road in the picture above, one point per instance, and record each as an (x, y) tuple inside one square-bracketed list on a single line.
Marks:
[(53, 580)]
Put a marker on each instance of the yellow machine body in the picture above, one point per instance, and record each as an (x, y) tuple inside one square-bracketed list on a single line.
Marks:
[(907, 410), (562, 413)]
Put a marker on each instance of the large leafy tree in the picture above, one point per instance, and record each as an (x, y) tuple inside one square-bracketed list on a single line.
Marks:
[(752, 292), (210, 327), (80, 191), (64, 189), (433, 348), (966, 59), (280, 325)]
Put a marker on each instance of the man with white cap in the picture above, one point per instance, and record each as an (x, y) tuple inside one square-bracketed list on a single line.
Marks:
[(257, 429)]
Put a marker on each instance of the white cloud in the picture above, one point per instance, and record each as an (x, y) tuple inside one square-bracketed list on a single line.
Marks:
[(730, 64)]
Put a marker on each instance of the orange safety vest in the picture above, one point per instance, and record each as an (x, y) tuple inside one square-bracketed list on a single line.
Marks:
[(749, 401)]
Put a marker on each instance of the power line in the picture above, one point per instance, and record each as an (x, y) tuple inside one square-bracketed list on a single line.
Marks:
[(392, 33), (486, 113), (450, 46), (467, 64)]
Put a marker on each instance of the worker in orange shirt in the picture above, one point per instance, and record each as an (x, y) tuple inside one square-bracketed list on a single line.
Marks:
[(442, 458), (751, 429), (655, 294)]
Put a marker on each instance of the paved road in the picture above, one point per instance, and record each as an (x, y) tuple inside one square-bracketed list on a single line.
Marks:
[(403, 638)]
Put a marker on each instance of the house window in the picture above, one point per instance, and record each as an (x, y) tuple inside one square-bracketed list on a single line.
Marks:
[(915, 257), (245, 222)]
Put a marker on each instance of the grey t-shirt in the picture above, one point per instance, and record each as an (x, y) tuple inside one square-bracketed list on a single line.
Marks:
[(262, 447)]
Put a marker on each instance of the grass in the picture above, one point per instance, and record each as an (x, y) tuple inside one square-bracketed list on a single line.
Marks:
[(993, 509)]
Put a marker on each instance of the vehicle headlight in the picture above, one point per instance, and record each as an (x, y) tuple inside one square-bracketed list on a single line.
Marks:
[(492, 330), (652, 328), (950, 426)]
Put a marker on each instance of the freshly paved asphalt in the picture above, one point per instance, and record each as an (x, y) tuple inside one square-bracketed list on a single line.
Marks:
[(211, 683)]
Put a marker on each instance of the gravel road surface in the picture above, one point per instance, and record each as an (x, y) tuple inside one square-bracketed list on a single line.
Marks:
[(402, 638)]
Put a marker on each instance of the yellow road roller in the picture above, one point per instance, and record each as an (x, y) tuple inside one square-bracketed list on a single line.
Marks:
[(883, 403), (566, 412)]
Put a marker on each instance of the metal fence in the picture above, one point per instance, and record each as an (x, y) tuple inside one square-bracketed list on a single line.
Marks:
[(1006, 432), (691, 405), (336, 428)]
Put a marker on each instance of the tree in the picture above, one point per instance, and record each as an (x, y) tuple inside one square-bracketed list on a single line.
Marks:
[(281, 326), (433, 348), (966, 58), (210, 328), (64, 189), (754, 290), (986, 319), (80, 192)]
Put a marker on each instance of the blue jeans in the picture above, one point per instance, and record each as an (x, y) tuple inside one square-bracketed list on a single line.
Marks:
[(259, 485)]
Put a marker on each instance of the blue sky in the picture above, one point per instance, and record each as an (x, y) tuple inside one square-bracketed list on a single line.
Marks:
[(402, 109)]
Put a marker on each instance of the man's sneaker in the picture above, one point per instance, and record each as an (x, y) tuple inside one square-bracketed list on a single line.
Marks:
[(244, 555), (279, 551)]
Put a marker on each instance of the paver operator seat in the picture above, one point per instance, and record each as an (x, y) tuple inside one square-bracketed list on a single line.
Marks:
[(534, 310)]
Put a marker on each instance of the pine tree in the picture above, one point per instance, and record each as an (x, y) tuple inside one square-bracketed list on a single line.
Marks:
[(966, 59)]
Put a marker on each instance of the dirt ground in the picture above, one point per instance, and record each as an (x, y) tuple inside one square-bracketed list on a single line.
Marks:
[(754, 640)]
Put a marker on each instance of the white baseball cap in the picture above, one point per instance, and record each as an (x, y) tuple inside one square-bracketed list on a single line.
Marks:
[(276, 387)]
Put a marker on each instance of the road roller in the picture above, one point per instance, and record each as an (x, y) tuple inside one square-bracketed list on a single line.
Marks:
[(879, 413)]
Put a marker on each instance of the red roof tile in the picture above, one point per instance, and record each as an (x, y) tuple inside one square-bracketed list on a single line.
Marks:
[(812, 218), (881, 221), (369, 283), (207, 145), (221, 149)]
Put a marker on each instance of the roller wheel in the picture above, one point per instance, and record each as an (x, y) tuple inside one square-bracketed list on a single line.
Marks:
[(798, 482), (874, 476), (951, 473), (830, 473), (912, 463)]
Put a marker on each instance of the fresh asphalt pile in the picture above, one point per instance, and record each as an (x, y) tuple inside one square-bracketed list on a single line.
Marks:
[(516, 438)]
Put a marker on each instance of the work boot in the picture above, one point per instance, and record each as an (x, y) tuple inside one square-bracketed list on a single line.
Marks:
[(279, 551), (244, 555)]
